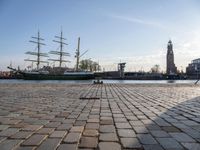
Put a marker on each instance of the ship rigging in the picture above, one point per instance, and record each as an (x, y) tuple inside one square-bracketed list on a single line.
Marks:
[(61, 53), (37, 40)]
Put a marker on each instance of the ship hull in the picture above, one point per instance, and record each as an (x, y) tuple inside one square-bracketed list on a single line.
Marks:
[(58, 77)]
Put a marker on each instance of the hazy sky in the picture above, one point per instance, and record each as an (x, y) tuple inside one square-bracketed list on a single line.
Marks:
[(132, 31)]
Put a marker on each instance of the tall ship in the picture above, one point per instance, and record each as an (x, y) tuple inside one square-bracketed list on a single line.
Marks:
[(48, 72)]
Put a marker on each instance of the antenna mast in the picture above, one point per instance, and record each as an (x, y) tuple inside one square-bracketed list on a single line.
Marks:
[(38, 53), (60, 53)]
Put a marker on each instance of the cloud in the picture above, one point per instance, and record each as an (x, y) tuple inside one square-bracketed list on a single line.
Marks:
[(138, 21), (186, 48), (135, 63)]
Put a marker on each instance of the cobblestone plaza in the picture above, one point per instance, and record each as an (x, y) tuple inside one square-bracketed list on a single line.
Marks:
[(48, 116)]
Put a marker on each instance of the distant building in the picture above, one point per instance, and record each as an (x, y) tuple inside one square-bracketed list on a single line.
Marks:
[(193, 68), (121, 67), (171, 68)]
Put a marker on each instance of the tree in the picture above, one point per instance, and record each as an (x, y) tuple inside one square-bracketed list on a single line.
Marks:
[(155, 69), (89, 65)]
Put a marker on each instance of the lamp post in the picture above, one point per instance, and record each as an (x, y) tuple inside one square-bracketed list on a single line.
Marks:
[(197, 70), (90, 65)]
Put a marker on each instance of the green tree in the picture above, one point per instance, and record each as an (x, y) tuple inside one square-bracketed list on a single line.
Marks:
[(155, 69), (89, 65)]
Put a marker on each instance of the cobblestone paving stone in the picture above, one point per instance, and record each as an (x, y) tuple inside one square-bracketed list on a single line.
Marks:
[(111, 116)]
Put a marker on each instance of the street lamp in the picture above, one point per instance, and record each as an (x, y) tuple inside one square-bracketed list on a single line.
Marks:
[(196, 69)]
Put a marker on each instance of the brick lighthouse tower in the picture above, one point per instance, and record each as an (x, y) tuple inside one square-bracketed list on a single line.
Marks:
[(171, 68)]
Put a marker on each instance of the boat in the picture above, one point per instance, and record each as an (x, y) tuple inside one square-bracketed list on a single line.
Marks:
[(53, 73), (65, 76)]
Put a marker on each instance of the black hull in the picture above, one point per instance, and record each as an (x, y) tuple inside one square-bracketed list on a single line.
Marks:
[(57, 77)]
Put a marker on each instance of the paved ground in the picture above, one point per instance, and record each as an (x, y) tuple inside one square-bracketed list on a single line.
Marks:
[(105, 117)]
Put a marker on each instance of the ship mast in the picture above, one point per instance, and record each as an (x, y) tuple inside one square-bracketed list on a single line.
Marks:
[(61, 53), (78, 56), (37, 40)]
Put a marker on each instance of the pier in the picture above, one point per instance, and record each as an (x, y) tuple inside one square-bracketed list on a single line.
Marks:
[(99, 116)]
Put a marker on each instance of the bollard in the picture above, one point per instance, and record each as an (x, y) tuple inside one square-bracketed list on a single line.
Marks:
[(98, 81)]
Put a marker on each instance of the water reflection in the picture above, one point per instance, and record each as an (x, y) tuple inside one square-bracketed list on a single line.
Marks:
[(104, 81), (171, 81)]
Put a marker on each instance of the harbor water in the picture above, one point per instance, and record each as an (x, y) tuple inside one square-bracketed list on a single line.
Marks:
[(104, 81)]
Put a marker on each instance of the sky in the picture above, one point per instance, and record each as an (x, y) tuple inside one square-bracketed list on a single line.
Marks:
[(131, 31)]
